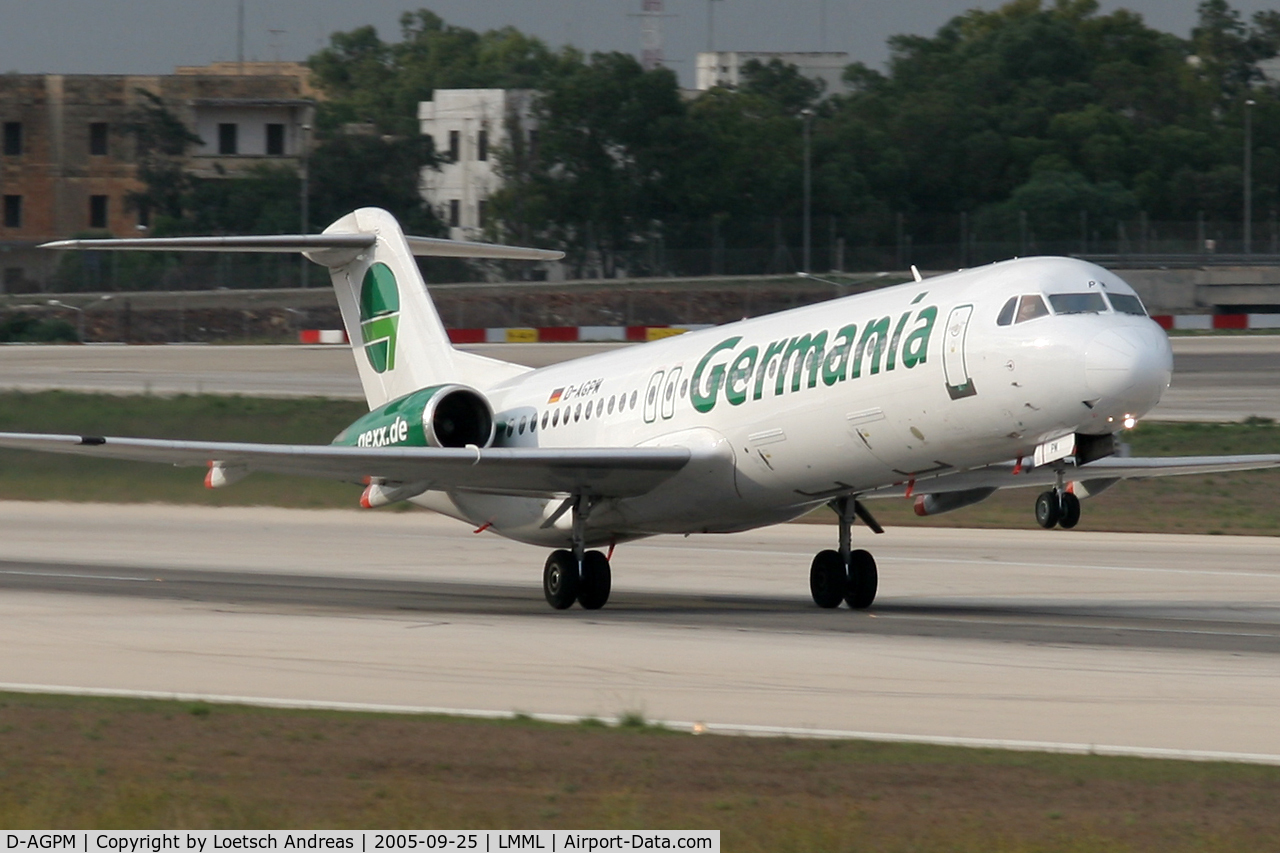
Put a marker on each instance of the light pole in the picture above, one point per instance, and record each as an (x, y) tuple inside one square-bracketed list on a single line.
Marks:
[(807, 116), (305, 197), (1248, 176)]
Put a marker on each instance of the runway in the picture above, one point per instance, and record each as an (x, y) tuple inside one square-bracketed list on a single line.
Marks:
[(1216, 378), (1121, 640)]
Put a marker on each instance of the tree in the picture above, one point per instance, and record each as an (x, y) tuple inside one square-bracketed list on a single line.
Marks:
[(161, 141)]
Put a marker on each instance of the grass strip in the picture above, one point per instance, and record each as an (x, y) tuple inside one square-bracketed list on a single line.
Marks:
[(90, 762), (1237, 503)]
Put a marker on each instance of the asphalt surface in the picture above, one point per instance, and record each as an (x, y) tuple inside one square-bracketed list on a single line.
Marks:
[(1142, 641), (1216, 378)]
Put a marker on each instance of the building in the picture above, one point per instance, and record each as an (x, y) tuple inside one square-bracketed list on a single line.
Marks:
[(724, 68), (467, 127), (68, 161)]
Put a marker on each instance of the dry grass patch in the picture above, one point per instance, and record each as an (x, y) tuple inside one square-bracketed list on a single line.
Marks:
[(76, 762)]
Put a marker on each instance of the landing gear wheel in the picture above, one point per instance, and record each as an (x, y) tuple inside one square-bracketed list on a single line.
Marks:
[(560, 579), (828, 579), (1048, 510), (596, 581), (1070, 511), (863, 580)]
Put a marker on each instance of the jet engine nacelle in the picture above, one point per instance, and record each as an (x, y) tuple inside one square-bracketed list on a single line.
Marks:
[(947, 501), (440, 416)]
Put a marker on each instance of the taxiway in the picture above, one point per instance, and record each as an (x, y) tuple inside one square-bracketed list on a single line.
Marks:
[(1216, 378)]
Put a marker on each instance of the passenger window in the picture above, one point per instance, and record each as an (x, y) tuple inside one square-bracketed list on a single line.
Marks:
[(1006, 313), (545, 417), (611, 405), (555, 420), (1078, 303), (1030, 307), (634, 396), (1126, 304), (523, 422)]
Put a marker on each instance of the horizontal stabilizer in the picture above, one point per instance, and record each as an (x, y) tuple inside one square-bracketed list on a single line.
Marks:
[(433, 247)]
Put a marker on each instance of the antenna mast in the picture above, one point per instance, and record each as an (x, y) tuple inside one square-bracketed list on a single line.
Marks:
[(240, 36), (651, 14)]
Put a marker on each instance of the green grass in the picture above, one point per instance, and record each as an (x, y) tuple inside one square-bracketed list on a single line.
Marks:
[(43, 476), (89, 762), (1246, 502)]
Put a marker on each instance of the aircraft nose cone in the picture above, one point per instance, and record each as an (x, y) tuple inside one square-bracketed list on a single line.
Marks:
[(1132, 365)]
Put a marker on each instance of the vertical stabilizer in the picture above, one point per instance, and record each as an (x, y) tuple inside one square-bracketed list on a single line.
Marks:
[(398, 340)]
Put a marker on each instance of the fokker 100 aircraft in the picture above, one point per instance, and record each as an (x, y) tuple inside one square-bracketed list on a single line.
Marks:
[(944, 390)]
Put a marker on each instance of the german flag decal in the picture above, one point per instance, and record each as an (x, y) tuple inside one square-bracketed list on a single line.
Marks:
[(555, 396)]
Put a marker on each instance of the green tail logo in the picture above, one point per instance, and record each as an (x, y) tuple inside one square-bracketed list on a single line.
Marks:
[(379, 316)]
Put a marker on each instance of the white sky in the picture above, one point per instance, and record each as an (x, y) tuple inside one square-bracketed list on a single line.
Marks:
[(152, 36)]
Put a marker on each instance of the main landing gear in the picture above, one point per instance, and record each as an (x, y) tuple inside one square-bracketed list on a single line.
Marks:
[(1057, 507), (845, 575), (578, 575)]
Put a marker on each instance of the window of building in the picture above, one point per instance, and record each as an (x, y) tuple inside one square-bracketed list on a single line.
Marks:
[(13, 277), (483, 213), (12, 138), (13, 211), (98, 138), (455, 213), (482, 146), (229, 138), (455, 144), (97, 211), (275, 140), (144, 215)]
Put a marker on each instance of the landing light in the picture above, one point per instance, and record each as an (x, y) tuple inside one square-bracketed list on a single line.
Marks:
[(1130, 421)]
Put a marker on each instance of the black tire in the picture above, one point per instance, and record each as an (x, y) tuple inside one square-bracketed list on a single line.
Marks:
[(560, 579), (863, 580), (1048, 510), (596, 581), (1070, 511), (828, 579)]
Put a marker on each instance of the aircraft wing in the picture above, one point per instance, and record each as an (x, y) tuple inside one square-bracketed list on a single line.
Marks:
[(1008, 476), (604, 472)]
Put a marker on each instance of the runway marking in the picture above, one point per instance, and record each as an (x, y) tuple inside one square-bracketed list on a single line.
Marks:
[(75, 576), (699, 727), (993, 562)]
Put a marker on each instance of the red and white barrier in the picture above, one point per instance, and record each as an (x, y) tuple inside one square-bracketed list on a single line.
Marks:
[(322, 336), (1209, 322), (568, 334)]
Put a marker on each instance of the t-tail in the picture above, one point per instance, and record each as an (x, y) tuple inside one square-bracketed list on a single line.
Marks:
[(399, 342)]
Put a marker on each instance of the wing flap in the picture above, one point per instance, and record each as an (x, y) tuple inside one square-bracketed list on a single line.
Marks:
[(1007, 475), (604, 472)]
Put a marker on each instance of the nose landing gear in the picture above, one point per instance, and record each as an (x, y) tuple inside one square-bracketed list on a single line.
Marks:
[(1057, 507), (845, 575)]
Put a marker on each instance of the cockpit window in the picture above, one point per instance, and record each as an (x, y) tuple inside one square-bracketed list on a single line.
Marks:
[(1126, 304), (1030, 307), (1078, 303), (1006, 313)]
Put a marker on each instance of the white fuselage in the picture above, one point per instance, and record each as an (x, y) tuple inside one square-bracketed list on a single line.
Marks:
[(788, 410)]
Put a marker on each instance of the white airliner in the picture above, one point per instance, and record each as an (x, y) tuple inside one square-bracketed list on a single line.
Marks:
[(1020, 373)]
